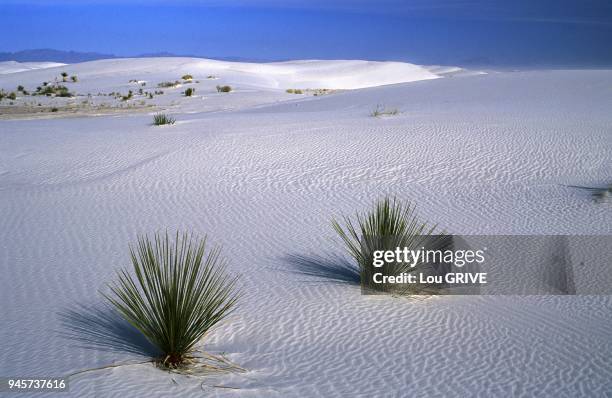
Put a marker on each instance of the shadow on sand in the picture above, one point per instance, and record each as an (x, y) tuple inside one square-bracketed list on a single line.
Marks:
[(100, 327), (332, 267)]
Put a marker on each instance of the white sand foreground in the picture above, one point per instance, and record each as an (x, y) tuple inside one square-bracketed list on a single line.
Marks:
[(262, 172)]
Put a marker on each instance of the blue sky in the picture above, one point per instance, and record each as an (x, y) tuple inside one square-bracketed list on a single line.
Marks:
[(520, 32)]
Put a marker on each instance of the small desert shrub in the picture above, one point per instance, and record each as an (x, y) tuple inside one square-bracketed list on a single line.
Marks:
[(23, 90), (53, 89), (187, 77), (177, 292), (603, 194), (389, 225), (169, 84), (211, 77), (150, 95), (127, 97), (74, 78), (294, 91), (600, 194), (224, 89), (161, 119), (12, 96), (382, 111), (64, 76), (54, 109), (320, 91), (189, 92)]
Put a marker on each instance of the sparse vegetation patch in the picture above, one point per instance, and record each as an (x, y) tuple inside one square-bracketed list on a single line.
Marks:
[(168, 84), (161, 118), (382, 111), (53, 90), (129, 96)]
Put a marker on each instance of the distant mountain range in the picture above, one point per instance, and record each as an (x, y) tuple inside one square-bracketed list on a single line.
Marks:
[(73, 57), (47, 54)]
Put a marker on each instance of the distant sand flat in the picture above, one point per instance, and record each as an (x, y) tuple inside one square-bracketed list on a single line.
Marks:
[(8, 67)]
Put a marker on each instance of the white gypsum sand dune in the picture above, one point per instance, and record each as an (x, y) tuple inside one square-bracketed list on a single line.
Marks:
[(8, 67), (292, 74), (262, 172)]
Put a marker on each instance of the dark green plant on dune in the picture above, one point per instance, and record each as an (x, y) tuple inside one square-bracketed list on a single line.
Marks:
[(389, 225), (189, 92), (161, 118), (177, 292), (168, 84), (382, 111), (127, 97), (224, 89), (602, 193), (53, 90)]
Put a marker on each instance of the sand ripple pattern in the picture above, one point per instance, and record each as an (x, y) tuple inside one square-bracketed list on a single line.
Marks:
[(493, 154)]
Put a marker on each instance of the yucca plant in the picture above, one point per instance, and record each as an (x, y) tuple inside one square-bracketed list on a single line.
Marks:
[(169, 84), (161, 119), (177, 292), (389, 225), (601, 194), (189, 92), (382, 111)]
